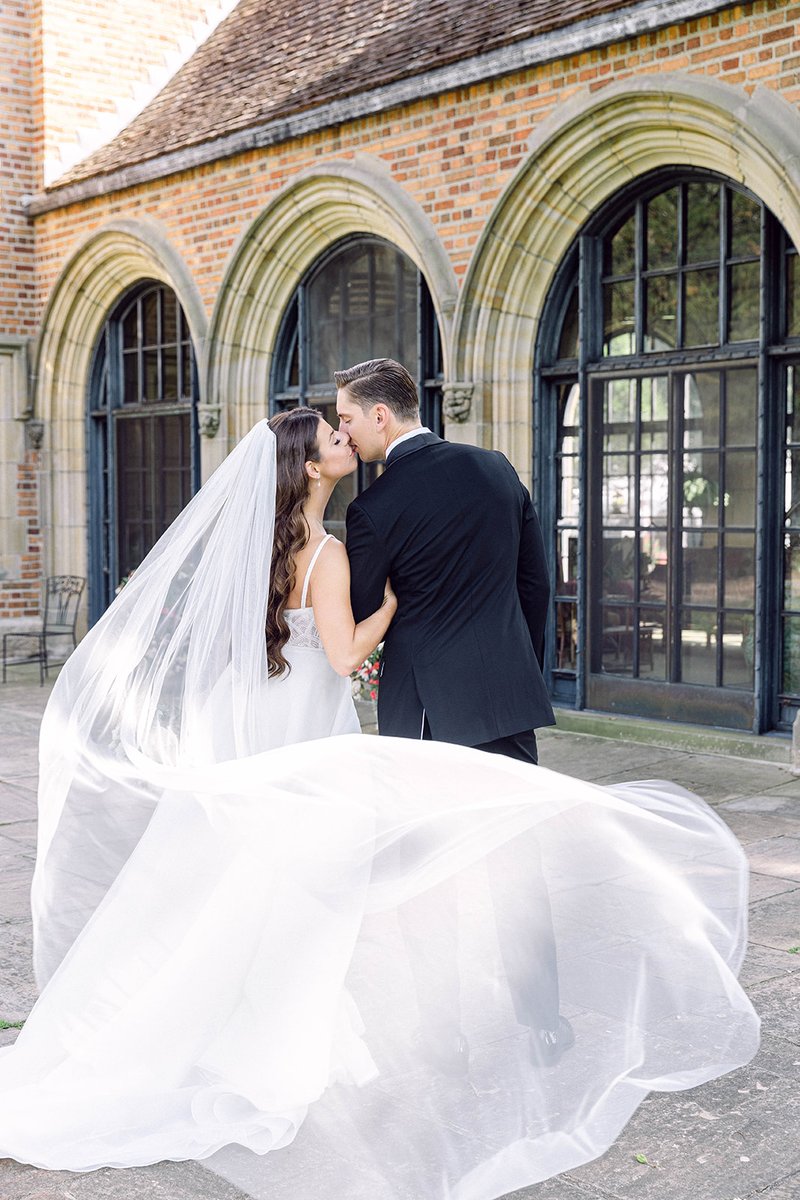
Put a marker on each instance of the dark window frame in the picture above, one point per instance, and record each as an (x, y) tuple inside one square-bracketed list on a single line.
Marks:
[(581, 273), (108, 404)]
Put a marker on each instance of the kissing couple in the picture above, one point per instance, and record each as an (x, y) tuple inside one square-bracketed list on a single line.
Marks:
[(417, 964)]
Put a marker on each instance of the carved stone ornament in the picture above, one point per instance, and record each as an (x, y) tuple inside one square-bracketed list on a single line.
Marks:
[(34, 434), (457, 401), (208, 417)]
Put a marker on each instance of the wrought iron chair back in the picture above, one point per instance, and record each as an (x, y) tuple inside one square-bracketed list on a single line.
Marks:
[(62, 599)]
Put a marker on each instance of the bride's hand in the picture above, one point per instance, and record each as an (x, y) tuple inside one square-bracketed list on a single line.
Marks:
[(389, 597)]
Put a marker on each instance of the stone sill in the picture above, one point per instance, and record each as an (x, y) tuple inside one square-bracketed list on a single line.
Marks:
[(696, 739)]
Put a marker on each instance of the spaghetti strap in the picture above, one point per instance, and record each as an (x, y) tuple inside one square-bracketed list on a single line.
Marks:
[(311, 565)]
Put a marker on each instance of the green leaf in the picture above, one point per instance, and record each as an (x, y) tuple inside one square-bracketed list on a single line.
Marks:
[(11, 1024), (794, 949), (641, 1158)]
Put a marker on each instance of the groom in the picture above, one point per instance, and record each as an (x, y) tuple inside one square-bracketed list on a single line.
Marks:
[(457, 533)]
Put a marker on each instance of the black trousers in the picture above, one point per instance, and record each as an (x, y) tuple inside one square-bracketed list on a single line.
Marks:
[(523, 921)]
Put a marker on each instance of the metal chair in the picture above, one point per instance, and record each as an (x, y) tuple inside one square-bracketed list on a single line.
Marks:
[(62, 598)]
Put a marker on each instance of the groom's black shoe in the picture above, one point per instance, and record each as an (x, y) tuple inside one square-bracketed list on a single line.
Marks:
[(447, 1053), (547, 1045)]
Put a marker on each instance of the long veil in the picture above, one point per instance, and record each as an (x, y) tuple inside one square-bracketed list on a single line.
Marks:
[(240, 943), (171, 679)]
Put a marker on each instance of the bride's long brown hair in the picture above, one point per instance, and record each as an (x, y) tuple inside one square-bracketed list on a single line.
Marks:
[(296, 432)]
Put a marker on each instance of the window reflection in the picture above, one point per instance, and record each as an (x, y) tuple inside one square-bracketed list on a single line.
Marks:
[(567, 525)]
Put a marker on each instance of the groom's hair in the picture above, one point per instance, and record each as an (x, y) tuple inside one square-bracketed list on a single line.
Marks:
[(381, 381)]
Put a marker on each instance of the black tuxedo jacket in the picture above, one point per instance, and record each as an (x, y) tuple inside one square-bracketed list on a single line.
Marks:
[(456, 531)]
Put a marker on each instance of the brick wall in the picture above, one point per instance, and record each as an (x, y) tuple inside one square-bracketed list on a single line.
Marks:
[(454, 154), (18, 314), (20, 541), (21, 597)]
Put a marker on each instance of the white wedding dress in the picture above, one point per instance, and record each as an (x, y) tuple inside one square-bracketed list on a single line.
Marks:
[(218, 906)]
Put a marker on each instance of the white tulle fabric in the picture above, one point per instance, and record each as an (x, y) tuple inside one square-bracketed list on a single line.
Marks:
[(218, 915)]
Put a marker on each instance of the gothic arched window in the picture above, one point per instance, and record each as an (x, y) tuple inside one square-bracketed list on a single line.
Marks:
[(668, 395), (144, 457), (363, 299)]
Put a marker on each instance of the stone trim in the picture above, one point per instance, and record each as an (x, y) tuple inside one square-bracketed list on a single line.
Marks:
[(108, 262), (590, 148), (560, 43), (320, 206)]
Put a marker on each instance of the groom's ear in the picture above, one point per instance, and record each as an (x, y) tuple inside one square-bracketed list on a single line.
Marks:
[(381, 414)]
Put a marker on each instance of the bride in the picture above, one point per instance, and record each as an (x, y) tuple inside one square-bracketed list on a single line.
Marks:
[(224, 868)]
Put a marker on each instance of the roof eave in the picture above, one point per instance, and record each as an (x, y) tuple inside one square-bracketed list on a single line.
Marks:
[(612, 27)]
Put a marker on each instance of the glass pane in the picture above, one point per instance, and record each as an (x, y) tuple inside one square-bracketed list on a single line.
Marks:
[(655, 413), (355, 269), (653, 552), (327, 351), (384, 334), (741, 405), (618, 489), (356, 346), (568, 342), (151, 386), (702, 222), (737, 650), (699, 647), (662, 230), (130, 328), (169, 316), (661, 328), (792, 487), (618, 633), (700, 561), (567, 561), (740, 488), (619, 251), (791, 655), (130, 380), (386, 269), (170, 430), (701, 308), (566, 637), (739, 563), (620, 402), (619, 564), (745, 225), (653, 489), (568, 468), (792, 296), (150, 319), (701, 409), (791, 567), (652, 644), (618, 319), (745, 302), (793, 404), (187, 375), (170, 368), (700, 489), (569, 414)]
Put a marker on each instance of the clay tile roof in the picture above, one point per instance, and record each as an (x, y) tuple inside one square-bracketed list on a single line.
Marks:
[(271, 59)]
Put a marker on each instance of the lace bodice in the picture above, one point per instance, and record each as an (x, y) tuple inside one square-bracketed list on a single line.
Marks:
[(303, 633)]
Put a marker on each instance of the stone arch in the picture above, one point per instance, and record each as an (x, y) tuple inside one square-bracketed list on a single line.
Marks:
[(320, 206), (589, 149), (107, 263)]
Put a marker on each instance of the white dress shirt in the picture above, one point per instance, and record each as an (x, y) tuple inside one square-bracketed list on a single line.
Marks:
[(405, 437)]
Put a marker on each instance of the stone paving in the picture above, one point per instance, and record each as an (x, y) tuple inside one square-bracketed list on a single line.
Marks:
[(735, 1138)]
